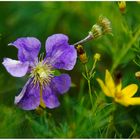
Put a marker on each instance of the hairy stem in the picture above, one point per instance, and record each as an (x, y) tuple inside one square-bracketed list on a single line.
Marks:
[(89, 37)]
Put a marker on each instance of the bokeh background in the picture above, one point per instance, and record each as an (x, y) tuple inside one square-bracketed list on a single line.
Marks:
[(74, 118)]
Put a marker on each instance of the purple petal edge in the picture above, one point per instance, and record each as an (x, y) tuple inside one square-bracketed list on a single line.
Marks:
[(15, 68)]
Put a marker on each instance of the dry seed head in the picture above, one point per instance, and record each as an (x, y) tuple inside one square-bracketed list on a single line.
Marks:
[(105, 24), (96, 31)]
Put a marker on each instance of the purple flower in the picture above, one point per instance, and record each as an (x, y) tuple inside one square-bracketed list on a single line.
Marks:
[(43, 86)]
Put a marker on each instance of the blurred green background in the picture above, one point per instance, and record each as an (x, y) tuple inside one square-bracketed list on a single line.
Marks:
[(73, 119)]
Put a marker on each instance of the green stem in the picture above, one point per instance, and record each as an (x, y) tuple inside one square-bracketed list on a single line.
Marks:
[(124, 52), (89, 90), (89, 85), (86, 69), (93, 67)]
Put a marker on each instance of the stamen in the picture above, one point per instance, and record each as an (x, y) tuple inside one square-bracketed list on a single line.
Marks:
[(42, 72)]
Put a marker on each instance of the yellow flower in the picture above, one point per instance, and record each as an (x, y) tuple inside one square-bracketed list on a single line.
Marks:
[(123, 96)]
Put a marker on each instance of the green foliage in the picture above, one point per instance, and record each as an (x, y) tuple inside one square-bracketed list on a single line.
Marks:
[(75, 118)]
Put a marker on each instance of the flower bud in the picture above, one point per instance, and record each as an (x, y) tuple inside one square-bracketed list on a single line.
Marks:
[(97, 56), (96, 31), (122, 6), (105, 24), (137, 75), (82, 54)]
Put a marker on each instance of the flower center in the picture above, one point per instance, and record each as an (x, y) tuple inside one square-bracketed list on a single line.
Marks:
[(118, 95), (42, 73)]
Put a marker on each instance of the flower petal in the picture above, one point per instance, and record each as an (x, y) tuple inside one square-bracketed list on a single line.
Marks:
[(28, 48), (104, 88), (130, 90), (50, 98), (29, 98), (62, 83), (55, 40), (59, 53), (110, 83), (123, 101), (126, 101), (119, 87), (134, 101), (15, 68)]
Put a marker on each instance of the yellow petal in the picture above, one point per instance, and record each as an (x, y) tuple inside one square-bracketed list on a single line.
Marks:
[(134, 101), (104, 88), (119, 87), (110, 83), (130, 90), (122, 101)]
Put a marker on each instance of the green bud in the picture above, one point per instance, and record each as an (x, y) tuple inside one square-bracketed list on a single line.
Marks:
[(97, 56)]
